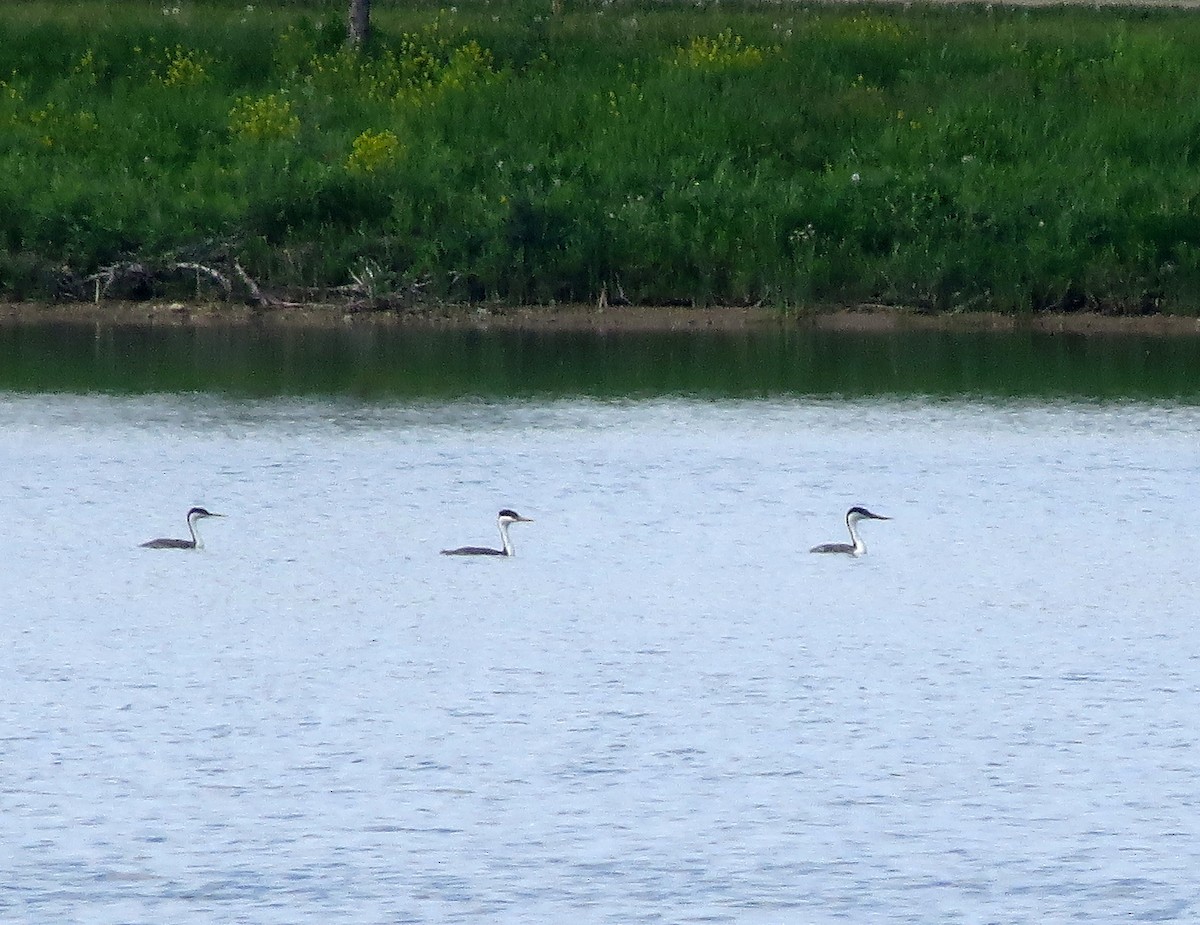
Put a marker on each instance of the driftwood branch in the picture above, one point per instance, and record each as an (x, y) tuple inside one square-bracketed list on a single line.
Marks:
[(256, 294), (219, 278), (138, 274), (617, 298), (109, 276), (371, 289)]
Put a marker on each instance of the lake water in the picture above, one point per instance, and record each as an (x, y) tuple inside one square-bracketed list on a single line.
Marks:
[(662, 709)]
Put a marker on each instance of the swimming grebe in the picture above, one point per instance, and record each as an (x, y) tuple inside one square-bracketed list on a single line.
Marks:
[(858, 547), (503, 519), (196, 513)]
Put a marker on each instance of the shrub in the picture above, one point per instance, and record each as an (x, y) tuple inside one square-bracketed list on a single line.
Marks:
[(373, 151), (265, 118)]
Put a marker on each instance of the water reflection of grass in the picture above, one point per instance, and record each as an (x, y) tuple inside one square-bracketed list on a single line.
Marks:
[(419, 362), (950, 158)]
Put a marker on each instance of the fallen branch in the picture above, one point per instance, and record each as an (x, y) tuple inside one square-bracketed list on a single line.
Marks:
[(109, 276), (256, 294), (219, 278), (259, 297), (140, 275), (368, 291)]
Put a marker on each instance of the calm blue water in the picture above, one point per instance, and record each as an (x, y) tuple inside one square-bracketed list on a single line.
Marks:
[(661, 710)]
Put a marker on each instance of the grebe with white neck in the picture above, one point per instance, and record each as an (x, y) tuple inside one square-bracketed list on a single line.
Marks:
[(857, 547), (503, 520), (195, 514)]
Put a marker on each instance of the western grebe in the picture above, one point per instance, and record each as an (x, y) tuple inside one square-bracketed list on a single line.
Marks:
[(196, 513), (858, 547), (503, 519)]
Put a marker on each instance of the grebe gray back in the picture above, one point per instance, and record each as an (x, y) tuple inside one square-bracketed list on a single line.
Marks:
[(503, 519), (857, 547), (196, 513)]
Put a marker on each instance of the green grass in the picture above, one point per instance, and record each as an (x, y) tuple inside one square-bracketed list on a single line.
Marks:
[(944, 158)]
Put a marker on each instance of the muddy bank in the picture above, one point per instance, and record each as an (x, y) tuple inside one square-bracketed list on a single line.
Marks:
[(589, 318)]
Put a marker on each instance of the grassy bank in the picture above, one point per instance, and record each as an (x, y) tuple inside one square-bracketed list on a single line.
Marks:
[(949, 158)]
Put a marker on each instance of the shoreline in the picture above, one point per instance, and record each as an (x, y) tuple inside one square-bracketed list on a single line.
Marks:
[(591, 319)]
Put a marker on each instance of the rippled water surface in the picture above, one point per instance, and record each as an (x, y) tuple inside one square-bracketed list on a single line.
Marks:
[(661, 710)]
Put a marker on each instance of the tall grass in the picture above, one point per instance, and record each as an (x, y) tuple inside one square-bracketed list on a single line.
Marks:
[(948, 159)]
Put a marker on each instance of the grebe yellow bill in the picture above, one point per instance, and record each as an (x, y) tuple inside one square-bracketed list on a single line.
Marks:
[(857, 547), (503, 520), (195, 514)]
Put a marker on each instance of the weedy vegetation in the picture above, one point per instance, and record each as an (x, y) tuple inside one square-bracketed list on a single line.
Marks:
[(798, 155)]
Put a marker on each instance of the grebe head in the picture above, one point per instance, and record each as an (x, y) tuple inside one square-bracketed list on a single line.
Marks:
[(197, 512), (508, 516), (855, 514)]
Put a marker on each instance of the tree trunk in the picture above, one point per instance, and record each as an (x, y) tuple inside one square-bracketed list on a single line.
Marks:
[(360, 23)]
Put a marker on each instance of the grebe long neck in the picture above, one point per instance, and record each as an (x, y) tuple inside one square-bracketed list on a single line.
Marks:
[(859, 546), (505, 542), (196, 541)]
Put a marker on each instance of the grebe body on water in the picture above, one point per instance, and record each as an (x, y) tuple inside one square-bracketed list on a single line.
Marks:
[(857, 547), (503, 520), (195, 514)]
